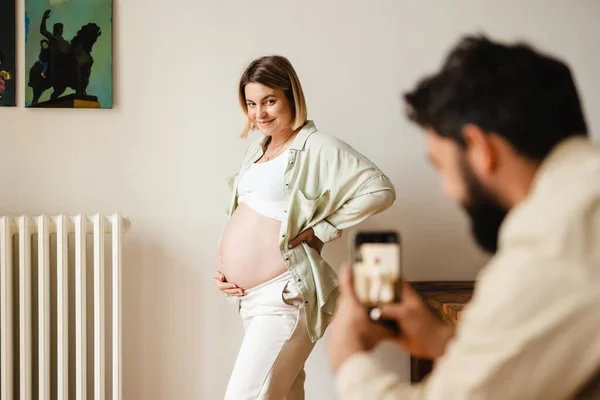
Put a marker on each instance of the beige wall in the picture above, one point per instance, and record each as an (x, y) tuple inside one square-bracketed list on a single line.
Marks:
[(161, 156)]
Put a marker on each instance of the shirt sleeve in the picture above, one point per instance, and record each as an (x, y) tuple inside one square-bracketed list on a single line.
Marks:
[(374, 196), (530, 332), (362, 377)]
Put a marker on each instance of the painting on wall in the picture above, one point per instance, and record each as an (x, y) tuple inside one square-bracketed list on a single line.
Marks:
[(7, 53), (68, 53)]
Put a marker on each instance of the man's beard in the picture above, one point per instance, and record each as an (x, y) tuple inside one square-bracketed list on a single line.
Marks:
[(485, 212)]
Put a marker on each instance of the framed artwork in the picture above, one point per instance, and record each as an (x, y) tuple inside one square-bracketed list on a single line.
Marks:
[(68, 53), (7, 53)]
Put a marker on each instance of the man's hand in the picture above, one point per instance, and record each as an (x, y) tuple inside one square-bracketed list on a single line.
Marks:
[(352, 331), (422, 334), (47, 14), (310, 238)]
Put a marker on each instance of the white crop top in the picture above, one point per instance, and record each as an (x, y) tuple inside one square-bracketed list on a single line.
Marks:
[(261, 187)]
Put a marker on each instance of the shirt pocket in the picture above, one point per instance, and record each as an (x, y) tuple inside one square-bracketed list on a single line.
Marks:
[(313, 208)]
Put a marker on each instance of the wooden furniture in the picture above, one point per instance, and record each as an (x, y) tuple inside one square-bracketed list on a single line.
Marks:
[(447, 300)]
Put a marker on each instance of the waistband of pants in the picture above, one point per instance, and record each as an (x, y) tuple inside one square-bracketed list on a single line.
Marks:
[(287, 275)]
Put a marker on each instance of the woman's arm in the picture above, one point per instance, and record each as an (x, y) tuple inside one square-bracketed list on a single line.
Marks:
[(372, 197)]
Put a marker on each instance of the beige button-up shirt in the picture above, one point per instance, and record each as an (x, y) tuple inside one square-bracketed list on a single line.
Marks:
[(532, 329)]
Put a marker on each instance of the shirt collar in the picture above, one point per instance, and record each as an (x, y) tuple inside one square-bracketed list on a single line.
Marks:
[(308, 129), (568, 148), (546, 174)]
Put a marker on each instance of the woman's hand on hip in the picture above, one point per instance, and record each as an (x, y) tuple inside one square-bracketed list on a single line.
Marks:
[(310, 238), (227, 287)]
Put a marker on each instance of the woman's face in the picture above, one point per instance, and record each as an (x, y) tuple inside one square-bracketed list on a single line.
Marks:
[(269, 109)]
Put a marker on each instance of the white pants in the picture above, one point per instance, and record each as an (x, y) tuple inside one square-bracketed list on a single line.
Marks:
[(270, 363)]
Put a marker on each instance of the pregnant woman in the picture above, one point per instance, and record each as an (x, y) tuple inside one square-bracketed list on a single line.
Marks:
[(297, 189)]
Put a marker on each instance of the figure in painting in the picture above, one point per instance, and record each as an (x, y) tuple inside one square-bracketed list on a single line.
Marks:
[(69, 64), (4, 75), (44, 56)]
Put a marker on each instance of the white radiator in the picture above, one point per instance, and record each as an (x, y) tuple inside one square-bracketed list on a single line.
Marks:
[(48, 367)]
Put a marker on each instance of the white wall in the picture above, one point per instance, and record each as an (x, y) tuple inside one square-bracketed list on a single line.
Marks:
[(161, 156)]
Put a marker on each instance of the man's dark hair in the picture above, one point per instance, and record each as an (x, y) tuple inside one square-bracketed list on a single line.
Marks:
[(528, 98)]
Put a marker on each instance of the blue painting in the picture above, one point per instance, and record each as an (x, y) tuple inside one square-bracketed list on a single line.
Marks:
[(7, 53), (68, 53)]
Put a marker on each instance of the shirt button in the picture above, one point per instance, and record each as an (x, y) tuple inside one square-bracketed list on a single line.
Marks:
[(287, 184), (283, 235), (299, 280), (306, 302), (287, 259)]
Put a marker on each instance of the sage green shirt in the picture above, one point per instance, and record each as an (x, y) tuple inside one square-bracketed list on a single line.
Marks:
[(329, 186)]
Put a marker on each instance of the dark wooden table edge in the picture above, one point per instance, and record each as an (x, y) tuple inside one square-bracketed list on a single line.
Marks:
[(420, 367)]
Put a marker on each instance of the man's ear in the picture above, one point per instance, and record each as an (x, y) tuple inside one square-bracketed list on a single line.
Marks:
[(480, 152)]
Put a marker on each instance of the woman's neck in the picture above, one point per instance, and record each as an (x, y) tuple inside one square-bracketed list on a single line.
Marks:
[(281, 138)]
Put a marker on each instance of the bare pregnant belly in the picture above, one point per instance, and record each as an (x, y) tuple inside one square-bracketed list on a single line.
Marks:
[(249, 249)]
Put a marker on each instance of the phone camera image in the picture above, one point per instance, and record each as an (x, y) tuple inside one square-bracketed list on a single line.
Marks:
[(376, 269)]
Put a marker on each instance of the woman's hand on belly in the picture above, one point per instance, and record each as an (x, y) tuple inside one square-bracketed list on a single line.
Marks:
[(227, 287)]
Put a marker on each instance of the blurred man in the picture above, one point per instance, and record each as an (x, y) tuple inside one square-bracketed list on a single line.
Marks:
[(506, 132)]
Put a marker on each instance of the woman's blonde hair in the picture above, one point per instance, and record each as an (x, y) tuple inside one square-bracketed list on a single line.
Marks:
[(275, 72)]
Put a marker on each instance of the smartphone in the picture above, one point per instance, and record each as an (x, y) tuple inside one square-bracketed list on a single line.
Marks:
[(377, 270)]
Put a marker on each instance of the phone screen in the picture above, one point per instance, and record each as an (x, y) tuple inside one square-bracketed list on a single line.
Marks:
[(376, 270)]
